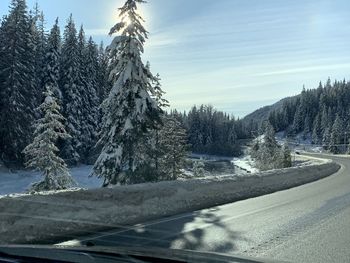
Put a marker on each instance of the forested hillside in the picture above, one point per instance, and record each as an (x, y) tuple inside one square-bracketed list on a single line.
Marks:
[(322, 114)]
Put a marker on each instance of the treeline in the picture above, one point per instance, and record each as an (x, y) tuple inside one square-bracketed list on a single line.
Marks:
[(213, 132), (30, 58), (322, 114)]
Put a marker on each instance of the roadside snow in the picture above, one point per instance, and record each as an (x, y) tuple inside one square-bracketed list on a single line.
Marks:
[(210, 157), (245, 163), (18, 182)]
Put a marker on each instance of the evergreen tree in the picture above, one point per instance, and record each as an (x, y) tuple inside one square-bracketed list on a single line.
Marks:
[(286, 157), (173, 139), (298, 121), (317, 130), (52, 62), (89, 73), (39, 39), (268, 154), (153, 148), (336, 135), (72, 98), (42, 152), (104, 85), (198, 169), (129, 111), (17, 82), (326, 139)]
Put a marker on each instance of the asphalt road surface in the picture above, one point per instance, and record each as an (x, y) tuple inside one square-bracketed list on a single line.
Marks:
[(310, 223)]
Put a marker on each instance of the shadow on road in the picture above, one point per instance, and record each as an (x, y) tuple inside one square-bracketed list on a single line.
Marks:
[(187, 231)]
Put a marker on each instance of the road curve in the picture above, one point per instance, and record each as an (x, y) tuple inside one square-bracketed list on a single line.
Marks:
[(309, 223)]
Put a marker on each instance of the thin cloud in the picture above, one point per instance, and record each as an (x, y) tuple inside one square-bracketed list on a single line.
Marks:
[(304, 69)]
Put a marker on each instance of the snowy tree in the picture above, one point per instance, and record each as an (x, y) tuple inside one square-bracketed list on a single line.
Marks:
[(336, 135), (41, 154), (129, 111), (17, 83), (326, 138), (198, 169), (72, 98), (298, 121), (173, 141), (104, 85), (89, 75), (153, 149), (317, 130), (52, 62), (39, 40), (285, 156), (268, 154)]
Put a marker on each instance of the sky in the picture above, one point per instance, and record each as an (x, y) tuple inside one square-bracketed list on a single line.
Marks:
[(237, 55)]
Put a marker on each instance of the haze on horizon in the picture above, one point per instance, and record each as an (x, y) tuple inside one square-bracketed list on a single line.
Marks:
[(236, 55)]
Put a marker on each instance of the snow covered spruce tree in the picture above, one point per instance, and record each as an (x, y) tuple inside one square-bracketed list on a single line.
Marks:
[(39, 39), (130, 110), (89, 74), (337, 136), (267, 153), (174, 144), (41, 154), (72, 97), (52, 62), (17, 84), (103, 82)]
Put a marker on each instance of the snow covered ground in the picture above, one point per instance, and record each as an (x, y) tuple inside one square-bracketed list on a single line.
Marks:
[(300, 143), (245, 163), (12, 182)]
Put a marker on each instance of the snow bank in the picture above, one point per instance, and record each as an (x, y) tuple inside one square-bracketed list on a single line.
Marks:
[(63, 216)]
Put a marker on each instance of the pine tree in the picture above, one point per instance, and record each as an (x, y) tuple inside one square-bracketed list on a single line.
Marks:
[(42, 152), (89, 74), (2, 77), (298, 121), (174, 144), (268, 154), (317, 130), (52, 62), (129, 111), (336, 135), (72, 98), (198, 169), (39, 39), (152, 149), (104, 85), (17, 82), (326, 139), (286, 157)]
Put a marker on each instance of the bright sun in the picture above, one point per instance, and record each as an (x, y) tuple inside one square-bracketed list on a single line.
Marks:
[(126, 20)]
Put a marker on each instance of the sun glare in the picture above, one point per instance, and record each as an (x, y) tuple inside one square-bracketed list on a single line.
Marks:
[(126, 20)]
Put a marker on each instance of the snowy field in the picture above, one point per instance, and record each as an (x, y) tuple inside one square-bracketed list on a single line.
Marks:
[(12, 182)]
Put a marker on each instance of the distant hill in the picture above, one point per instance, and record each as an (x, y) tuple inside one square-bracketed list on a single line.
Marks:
[(322, 114), (263, 113)]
